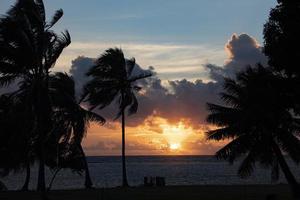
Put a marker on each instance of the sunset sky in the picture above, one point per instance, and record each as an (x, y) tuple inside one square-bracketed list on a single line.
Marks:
[(190, 44)]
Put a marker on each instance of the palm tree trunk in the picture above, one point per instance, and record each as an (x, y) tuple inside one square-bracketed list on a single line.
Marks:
[(88, 181), (41, 185), (124, 180), (43, 119), (27, 179), (287, 172), (52, 180)]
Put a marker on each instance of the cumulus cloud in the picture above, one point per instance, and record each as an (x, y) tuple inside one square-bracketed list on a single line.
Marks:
[(243, 51), (174, 100), (179, 100), (183, 99), (78, 70)]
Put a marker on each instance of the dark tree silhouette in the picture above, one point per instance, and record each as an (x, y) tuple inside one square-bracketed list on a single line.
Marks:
[(67, 157), (70, 126), (282, 41), (15, 146), (281, 34), (113, 79), (29, 48), (257, 121)]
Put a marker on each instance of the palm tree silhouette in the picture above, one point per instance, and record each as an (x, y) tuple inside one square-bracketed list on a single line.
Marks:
[(15, 146), (113, 79), (258, 121), (29, 49), (70, 123)]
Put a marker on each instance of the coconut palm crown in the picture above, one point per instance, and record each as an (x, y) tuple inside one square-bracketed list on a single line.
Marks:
[(257, 119)]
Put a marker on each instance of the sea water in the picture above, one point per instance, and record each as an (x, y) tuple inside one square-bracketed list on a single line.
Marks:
[(106, 171)]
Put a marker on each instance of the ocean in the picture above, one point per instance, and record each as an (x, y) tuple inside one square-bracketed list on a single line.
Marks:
[(177, 170)]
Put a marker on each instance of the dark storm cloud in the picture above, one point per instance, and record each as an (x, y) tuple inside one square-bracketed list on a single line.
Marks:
[(182, 99), (178, 100)]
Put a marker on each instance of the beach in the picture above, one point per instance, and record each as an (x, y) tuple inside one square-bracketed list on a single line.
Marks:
[(212, 192)]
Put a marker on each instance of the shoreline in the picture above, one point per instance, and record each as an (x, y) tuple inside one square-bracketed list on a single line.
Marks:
[(186, 192)]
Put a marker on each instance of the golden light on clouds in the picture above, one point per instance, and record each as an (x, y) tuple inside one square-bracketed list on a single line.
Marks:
[(156, 136)]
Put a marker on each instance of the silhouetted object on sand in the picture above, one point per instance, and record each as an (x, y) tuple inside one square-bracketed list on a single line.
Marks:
[(113, 79), (257, 120), (150, 181), (160, 181)]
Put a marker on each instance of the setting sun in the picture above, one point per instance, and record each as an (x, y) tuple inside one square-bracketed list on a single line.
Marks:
[(174, 146)]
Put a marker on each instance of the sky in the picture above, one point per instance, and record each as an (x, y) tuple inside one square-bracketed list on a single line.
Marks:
[(190, 44)]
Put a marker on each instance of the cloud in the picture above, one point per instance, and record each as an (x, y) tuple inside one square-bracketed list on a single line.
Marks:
[(243, 51), (79, 68), (180, 100), (171, 61), (177, 99)]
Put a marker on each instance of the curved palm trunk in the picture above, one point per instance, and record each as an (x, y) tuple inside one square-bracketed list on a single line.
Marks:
[(88, 181), (52, 180), (124, 173), (287, 172), (27, 179)]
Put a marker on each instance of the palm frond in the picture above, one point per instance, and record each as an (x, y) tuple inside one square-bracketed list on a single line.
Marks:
[(41, 9), (232, 87), (222, 133), (237, 147), (110, 65), (130, 64), (290, 144), (58, 14), (230, 99), (248, 164), (140, 76), (94, 117), (112, 80), (222, 116), (57, 48), (7, 80), (134, 105)]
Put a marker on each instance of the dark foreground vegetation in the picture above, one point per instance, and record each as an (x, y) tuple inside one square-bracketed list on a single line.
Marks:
[(237, 192)]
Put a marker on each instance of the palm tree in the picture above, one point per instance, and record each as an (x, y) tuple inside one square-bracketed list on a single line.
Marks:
[(70, 125), (29, 48), (113, 79), (258, 122), (15, 146)]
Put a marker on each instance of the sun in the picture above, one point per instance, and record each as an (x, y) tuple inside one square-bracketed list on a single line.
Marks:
[(174, 146)]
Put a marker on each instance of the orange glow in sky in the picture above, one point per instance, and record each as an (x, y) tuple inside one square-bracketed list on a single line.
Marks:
[(156, 136)]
